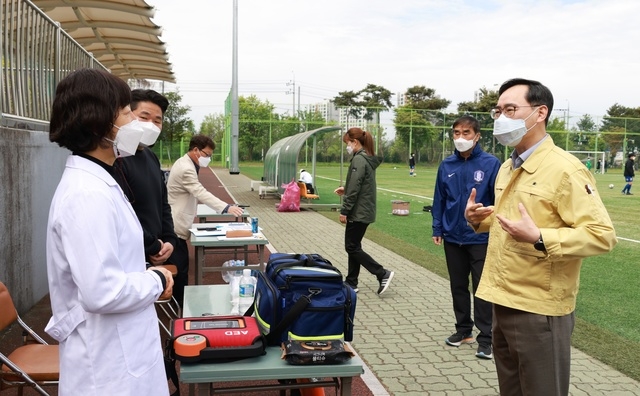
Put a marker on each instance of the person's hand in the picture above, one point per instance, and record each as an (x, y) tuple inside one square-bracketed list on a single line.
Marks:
[(163, 255), (437, 240), (343, 219), (168, 290), (339, 191), (476, 212), (523, 230), (235, 210)]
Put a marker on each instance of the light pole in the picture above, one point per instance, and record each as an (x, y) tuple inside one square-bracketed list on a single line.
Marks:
[(444, 131), (410, 130), (234, 169), (292, 83)]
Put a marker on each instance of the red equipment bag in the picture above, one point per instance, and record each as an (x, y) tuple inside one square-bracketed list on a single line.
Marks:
[(216, 338)]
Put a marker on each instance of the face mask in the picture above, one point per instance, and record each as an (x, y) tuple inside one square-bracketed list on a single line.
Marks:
[(349, 149), (128, 138), (150, 134), (204, 161), (463, 145), (509, 132), (115, 146)]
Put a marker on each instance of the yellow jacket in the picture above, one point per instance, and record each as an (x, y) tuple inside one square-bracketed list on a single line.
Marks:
[(560, 195)]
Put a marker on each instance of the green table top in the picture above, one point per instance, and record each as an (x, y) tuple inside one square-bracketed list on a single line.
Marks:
[(215, 299), (214, 241)]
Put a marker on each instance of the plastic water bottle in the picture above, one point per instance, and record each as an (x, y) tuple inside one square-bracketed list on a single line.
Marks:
[(246, 290), (227, 275), (234, 293)]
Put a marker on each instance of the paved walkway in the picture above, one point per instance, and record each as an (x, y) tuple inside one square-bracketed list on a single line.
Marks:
[(401, 334)]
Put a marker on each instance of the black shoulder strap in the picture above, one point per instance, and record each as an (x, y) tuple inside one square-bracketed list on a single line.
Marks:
[(170, 367), (274, 333)]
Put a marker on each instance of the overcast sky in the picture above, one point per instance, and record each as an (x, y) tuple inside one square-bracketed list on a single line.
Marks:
[(585, 51)]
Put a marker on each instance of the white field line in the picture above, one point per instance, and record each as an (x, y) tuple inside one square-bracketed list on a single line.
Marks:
[(386, 189), (430, 198)]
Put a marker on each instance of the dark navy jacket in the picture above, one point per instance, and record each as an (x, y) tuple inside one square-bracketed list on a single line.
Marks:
[(456, 177)]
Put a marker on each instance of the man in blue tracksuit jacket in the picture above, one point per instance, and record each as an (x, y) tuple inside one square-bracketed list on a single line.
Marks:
[(468, 167)]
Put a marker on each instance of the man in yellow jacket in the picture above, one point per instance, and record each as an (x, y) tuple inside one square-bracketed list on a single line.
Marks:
[(547, 217)]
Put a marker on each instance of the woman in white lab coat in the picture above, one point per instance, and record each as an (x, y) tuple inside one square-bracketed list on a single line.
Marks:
[(102, 295)]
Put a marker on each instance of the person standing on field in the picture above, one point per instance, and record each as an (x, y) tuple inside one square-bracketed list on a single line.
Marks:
[(468, 167), (412, 165), (547, 217), (629, 174), (359, 207)]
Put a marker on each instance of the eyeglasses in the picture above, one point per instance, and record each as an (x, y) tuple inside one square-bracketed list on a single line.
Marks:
[(205, 153), (509, 111)]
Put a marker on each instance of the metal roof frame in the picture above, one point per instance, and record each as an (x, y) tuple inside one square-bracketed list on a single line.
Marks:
[(281, 161), (119, 33)]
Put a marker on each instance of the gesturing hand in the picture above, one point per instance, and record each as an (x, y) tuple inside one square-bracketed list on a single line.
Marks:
[(523, 230), (476, 212)]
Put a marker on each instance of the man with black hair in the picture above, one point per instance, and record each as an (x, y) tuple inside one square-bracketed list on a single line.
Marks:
[(468, 167), (412, 165), (307, 179), (184, 191), (142, 180), (629, 174), (547, 218)]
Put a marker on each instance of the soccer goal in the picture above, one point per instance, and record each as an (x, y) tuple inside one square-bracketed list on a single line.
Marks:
[(597, 158)]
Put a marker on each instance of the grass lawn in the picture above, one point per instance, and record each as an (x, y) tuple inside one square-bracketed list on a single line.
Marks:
[(608, 308)]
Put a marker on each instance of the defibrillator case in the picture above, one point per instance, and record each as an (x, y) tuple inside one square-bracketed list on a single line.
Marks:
[(216, 338)]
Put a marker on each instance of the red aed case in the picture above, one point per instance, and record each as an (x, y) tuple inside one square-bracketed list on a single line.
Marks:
[(216, 338)]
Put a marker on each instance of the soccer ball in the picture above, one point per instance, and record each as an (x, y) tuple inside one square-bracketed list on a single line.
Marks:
[(610, 185)]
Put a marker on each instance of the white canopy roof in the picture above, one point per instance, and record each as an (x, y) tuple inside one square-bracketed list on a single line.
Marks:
[(119, 33)]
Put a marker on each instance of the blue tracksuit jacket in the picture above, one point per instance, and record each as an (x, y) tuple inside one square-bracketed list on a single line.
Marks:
[(456, 177)]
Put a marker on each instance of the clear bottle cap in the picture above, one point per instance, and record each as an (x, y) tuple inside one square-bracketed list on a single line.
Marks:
[(246, 272)]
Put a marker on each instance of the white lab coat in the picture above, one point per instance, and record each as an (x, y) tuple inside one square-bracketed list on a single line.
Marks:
[(101, 296)]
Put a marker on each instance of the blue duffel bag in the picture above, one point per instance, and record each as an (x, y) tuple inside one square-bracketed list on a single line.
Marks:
[(303, 297)]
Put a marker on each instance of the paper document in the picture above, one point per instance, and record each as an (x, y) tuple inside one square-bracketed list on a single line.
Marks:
[(238, 226), (208, 231)]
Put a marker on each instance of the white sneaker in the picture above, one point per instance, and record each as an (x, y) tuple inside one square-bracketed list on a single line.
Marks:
[(385, 282)]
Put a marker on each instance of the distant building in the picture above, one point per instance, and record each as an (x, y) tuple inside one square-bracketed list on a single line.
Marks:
[(331, 113), (401, 99), (327, 109)]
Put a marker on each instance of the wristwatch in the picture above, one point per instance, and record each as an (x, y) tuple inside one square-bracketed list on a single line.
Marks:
[(539, 245)]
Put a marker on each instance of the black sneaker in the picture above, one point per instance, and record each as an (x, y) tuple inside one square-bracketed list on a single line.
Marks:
[(385, 282), (457, 339), (484, 351)]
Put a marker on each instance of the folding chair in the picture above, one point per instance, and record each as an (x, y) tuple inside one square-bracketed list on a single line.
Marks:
[(169, 307), (34, 365), (304, 194)]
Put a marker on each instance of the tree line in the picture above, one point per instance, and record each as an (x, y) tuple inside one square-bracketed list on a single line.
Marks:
[(421, 123)]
